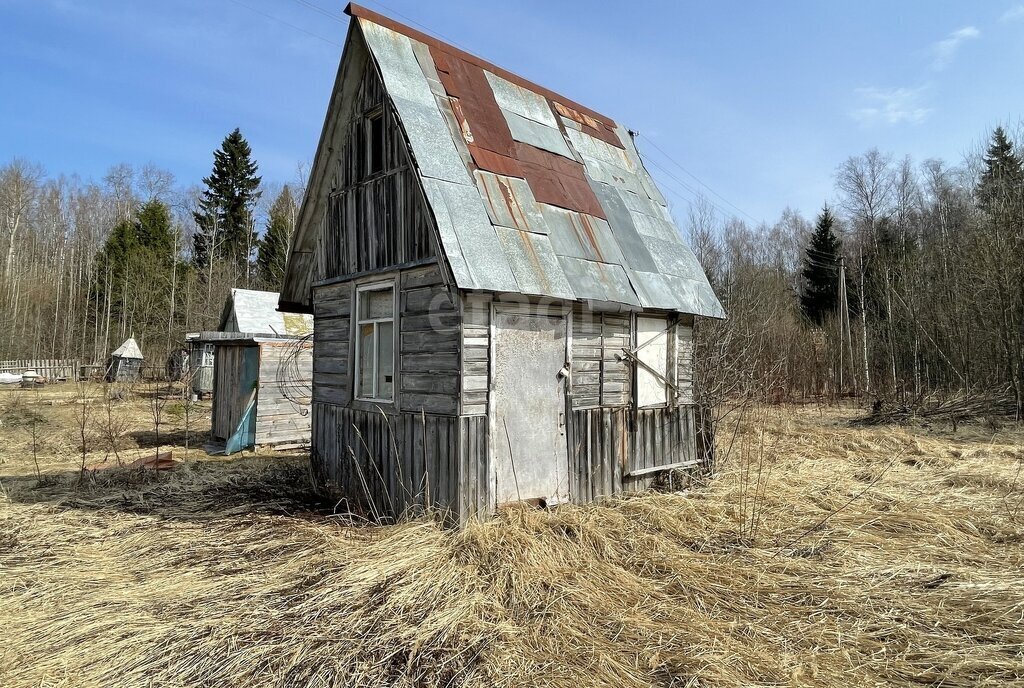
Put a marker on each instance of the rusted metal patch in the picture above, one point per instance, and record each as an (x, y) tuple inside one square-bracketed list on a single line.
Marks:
[(478, 111), (589, 125), (558, 181), (493, 162), (354, 10)]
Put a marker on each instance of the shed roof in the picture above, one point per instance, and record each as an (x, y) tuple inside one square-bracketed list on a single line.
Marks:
[(130, 349), (256, 312), (530, 192)]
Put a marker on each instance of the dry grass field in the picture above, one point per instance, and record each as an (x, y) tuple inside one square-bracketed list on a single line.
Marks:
[(821, 554)]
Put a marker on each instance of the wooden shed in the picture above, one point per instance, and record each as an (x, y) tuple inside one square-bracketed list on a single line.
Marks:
[(503, 306), (125, 362), (261, 391), (245, 310)]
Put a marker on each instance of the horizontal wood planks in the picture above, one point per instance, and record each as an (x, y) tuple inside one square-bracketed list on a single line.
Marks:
[(476, 353), (600, 375), (332, 330), (428, 321), (684, 360)]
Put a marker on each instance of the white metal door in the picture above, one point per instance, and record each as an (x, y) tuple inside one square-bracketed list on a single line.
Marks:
[(530, 453)]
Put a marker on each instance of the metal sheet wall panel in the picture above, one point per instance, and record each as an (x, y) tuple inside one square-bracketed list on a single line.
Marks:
[(521, 101), (431, 142), (590, 147), (633, 155), (613, 175), (510, 203), (534, 264), (637, 256), (539, 135), (468, 233)]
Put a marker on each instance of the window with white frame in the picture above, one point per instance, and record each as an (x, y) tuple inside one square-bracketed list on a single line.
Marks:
[(375, 342), (207, 356), (652, 366)]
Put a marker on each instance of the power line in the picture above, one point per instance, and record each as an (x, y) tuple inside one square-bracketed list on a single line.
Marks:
[(285, 23), (425, 29), (698, 180), (322, 10), (696, 194)]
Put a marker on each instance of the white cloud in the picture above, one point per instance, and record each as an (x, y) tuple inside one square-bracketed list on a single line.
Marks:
[(945, 50), (891, 106), (1012, 14)]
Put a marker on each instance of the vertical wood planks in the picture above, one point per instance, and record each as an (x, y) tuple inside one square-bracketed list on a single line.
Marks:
[(391, 463)]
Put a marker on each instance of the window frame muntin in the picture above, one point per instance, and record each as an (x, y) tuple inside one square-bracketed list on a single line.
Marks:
[(357, 322)]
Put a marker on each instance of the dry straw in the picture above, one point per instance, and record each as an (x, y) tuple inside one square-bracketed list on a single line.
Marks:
[(220, 574)]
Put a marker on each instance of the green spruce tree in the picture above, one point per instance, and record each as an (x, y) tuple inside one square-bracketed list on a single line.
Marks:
[(273, 248), (820, 294), (155, 231), (224, 219), (1000, 190)]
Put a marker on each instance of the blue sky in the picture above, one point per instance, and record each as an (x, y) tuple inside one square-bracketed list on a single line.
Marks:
[(760, 101)]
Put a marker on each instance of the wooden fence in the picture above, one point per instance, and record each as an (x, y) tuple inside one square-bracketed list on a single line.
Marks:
[(50, 368)]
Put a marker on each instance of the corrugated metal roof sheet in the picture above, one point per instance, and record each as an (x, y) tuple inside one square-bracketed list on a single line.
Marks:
[(129, 349), (531, 192), (256, 312)]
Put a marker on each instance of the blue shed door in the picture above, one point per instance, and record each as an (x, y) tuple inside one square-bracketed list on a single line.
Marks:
[(241, 394)]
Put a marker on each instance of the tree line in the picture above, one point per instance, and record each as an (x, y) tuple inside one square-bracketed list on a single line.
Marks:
[(912, 284), (88, 264)]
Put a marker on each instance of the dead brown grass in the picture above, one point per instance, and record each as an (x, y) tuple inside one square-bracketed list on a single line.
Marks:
[(228, 573)]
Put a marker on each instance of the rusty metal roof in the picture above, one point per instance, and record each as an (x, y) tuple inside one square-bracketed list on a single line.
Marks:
[(531, 192)]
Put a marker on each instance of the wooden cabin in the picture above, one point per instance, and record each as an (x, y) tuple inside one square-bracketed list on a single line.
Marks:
[(245, 310), (262, 386), (503, 306), (125, 362)]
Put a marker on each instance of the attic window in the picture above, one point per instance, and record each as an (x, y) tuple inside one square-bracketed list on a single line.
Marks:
[(375, 142), (375, 342)]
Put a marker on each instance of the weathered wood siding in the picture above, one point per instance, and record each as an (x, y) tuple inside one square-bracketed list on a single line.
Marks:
[(428, 320), (476, 353), (662, 437), (374, 221), (52, 369), (390, 463), (599, 444), (332, 331), (684, 360), (600, 375), (231, 395), (281, 416), (622, 450)]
